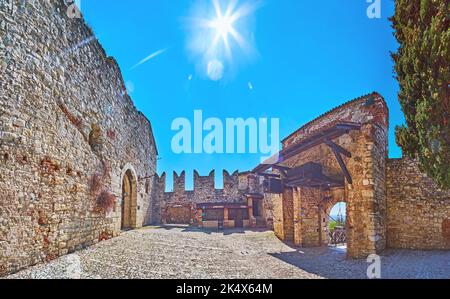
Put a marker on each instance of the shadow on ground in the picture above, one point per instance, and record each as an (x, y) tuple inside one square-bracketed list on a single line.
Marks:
[(225, 232), (332, 263), (327, 262)]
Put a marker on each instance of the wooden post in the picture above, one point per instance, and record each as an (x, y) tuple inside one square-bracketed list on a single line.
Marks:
[(225, 214), (200, 217), (250, 207), (251, 218)]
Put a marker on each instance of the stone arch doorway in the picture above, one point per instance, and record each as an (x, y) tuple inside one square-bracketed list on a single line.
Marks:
[(129, 201), (337, 224)]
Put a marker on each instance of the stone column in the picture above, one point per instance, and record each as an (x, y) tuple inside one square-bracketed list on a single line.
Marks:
[(297, 218), (251, 218), (226, 218), (225, 214), (366, 232), (309, 226), (288, 215), (278, 219)]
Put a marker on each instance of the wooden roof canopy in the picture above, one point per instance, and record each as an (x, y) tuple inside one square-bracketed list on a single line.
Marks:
[(221, 205), (311, 174)]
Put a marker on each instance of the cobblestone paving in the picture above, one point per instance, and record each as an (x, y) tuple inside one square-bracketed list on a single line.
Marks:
[(192, 253)]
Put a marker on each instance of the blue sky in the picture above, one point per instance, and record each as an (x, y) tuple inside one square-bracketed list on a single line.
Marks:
[(307, 57)]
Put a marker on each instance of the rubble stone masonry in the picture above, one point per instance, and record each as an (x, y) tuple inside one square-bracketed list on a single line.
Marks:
[(235, 188), (68, 133), (418, 211)]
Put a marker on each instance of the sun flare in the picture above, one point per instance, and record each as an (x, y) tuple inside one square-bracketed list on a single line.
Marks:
[(220, 31), (223, 26)]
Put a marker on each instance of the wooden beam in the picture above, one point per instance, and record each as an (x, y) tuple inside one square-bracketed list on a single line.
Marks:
[(310, 142), (317, 140), (339, 148), (299, 148), (269, 175), (323, 182), (334, 182), (281, 169), (342, 165)]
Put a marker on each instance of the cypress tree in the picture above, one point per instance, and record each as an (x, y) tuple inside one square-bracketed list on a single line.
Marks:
[(422, 69)]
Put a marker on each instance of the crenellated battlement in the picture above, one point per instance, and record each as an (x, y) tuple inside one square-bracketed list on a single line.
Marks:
[(231, 182), (235, 187), (181, 205)]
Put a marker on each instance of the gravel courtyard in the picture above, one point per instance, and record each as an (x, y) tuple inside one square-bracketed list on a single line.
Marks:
[(177, 252)]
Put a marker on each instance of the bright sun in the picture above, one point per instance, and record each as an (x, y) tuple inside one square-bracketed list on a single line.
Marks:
[(224, 26), (222, 34)]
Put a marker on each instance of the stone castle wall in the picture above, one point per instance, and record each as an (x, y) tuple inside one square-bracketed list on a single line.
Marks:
[(235, 186), (418, 212), (66, 125)]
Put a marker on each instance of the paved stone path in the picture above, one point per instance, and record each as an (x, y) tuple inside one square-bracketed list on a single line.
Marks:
[(192, 253)]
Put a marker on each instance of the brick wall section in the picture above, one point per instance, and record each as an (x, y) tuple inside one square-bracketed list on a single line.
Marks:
[(418, 211), (57, 84)]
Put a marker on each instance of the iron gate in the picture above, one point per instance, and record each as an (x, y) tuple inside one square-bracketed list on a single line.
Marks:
[(338, 236)]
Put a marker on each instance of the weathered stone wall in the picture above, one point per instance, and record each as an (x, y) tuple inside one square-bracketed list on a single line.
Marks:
[(418, 211), (235, 186), (64, 117)]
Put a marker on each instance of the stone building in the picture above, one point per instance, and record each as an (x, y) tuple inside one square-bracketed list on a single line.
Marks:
[(341, 156), (77, 160)]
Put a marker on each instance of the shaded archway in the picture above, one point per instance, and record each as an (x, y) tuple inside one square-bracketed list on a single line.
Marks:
[(129, 201), (337, 223)]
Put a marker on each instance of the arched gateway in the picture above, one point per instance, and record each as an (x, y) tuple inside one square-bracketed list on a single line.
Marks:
[(129, 201), (340, 156)]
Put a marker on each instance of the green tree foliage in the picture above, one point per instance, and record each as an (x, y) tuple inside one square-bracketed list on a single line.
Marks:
[(422, 66)]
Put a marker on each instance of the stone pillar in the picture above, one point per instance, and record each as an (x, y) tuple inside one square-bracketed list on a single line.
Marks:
[(225, 214), (309, 199), (250, 207), (297, 218), (226, 219), (366, 231), (278, 219), (323, 218), (288, 215), (320, 215), (251, 218)]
